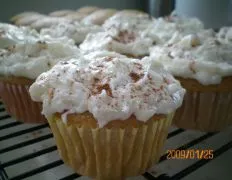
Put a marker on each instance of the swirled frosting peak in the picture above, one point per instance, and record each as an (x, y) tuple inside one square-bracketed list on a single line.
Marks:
[(111, 88)]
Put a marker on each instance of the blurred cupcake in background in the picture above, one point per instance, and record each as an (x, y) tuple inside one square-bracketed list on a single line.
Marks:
[(25, 18), (11, 35), (21, 62), (225, 34), (203, 66), (98, 17), (76, 31), (124, 36), (88, 9), (47, 22), (165, 27), (61, 12)]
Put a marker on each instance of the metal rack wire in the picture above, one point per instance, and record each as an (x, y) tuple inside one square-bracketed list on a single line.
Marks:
[(29, 152)]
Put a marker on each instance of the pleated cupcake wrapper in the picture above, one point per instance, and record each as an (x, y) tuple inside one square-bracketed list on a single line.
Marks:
[(114, 153), (18, 103), (205, 111)]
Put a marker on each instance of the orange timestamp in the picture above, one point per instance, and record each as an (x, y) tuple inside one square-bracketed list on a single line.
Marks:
[(190, 154)]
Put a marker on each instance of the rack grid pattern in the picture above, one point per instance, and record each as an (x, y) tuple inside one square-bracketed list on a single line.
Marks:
[(29, 152)]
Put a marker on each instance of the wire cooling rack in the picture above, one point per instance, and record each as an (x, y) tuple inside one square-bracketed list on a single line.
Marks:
[(29, 152)]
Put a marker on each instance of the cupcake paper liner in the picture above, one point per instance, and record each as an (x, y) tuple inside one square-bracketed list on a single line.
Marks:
[(110, 153), (205, 111), (205, 108), (18, 103)]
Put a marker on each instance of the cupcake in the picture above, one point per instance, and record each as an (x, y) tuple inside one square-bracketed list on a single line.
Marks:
[(225, 34), (20, 64), (131, 12), (11, 35), (30, 19), (125, 35), (109, 115), (76, 31), (61, 13), (203, 66), (75, 16), (47, 22), (127, 20), (165, 27), (22, 15), (88, 9), (98, 17)]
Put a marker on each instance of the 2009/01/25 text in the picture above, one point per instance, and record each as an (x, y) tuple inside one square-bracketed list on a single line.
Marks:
[(190, 154)]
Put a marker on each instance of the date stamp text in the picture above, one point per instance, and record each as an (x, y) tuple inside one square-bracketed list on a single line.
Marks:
[(190, 154)]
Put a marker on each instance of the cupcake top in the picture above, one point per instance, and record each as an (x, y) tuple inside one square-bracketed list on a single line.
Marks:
[(88, 9), (29, 19), (98, 17), (205, 59), (31, 59), (225, 34), (110, 87), (11, 35), (123, 34), (60, 13), (129, 21), (76, 30), (128, 42), (47, 22), (22, 15), (166, 27)]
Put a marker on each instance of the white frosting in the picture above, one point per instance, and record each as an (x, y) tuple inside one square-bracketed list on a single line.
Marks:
[(205, 59), (165, 28), (98, 17), (22, 15), (101, 54), (47, 22), (106, 87), (129, 21), (10, 35), (123, 34), (225, 34), (76, 31), (60, 13), (29, 19), (124, 42), (31, 59)]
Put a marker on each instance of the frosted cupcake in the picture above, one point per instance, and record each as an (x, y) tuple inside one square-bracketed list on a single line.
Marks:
[(165, 27), (109, 115), (88, 9), (22, 14), (204, 68), (225, 34), (47, 22), (61, 13), (125, 20), (25, 18), (29, 19), (98, 17), (20, 64), (11, 35), (130, 12), (75, 16), (76, 31), (125, 35)]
